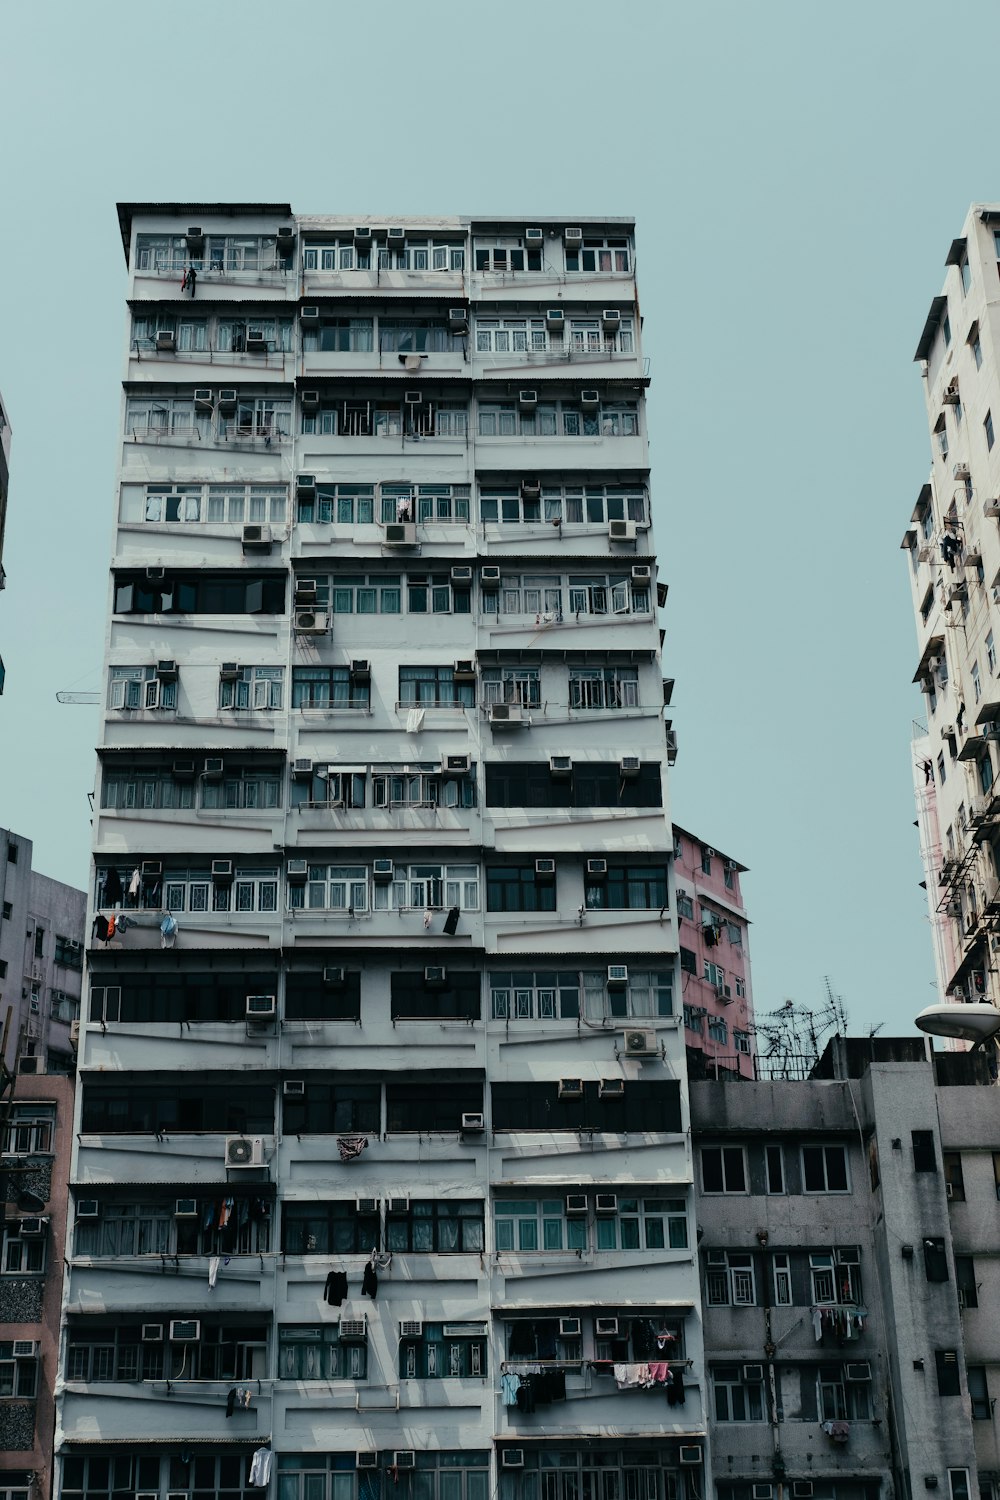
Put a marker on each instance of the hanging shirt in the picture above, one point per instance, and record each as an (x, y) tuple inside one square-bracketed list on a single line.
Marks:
[(335, 1290), (260, 1468)]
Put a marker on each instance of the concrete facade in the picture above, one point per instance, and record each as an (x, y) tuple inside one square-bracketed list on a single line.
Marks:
[(384, 738)]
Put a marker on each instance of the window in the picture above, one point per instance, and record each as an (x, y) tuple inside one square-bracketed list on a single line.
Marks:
[(979, 1391), (782, 1268), (414, 999), (212, 1104), (512, 685), (723, 1169), (652, 1107), (332, 888), (730, 1280), (558, 419), (740, 987), (21, 1257), (718, 1030), (602, 255), (328, 687), (309, 996), (255, 688), (741, 1041), (774, 1167), (444, 1351), (729, 878), (18, 1377), (150, 1227), (836, 1277), (634, 888), (98, 1352), (359, 593), (988, 429), (69, 952), (440, 887), (518, 888), (39, 942), (415, 1108), (344, 504), (737, 1399), (589, 784), (316, 1353), (442, 1226), (332, 1109), (8, 910), (685, 906), (948, 1378), (434, 686), (511, 336), (924, 1159), (343, 335), (977, 350), (965, 1279), (824, 1169), (331, 1476), (200, 594), (29, 1130), (977, 690), (644, 1224), (965, 271), (694, 1018), (953, 1175), (946, 330), (12, 854), (706, 862), (958, 1484), (603, 687), (193, 891), (139, 687), (506, 253), (984, 772), (841, 1399), (529, 1224), (587, 336), (592, 504)]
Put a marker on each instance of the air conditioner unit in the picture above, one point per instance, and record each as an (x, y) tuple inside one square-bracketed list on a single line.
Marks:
[(310, 622), (629, 766), (531, 489), (29, 1063), (309, 315), (461, 574), (992, 508), (203, 399), (362, 236), (606, 1203), (309, 400), (597, 869), (642, 573), (294, 1088), (74, 1036), (403, 1458), (753, 1373), (545, 869), (527, 400), (611, 319), (512, 1458), (689, 1453), (435, 976), (571, 1088), (617, 976), (414, 398), (400, 534), (573, 238), (464, 671), (34, 1228), (185, 1208), (763, 1492), (802, 1489), (961, 471), (353, 1330), (256, 343), (229, 671), (576, 1205), (621, 531), (262, 1007), (256, 536), (489, 579), (640, 1044), (150, 868), (166, 340), (361, 670), (570, 1328), (555, 319), (382, 871), (25, 1349), (473, 1123), (183, 770), (88, 1208), (213, 768), (297, 871), (194, 239), (455, 765), (285, 239), (366, 1460), (411, 1328), (590, 399), (949, 1191), (244, 1151), (305, 486), (155, 575), (859, 1370), (560, 765), (611, 1088), (302, 769), (227, 400), (506, 713), (222, 869), (306, 590), (606, 1328), (395, 236), (185, 1331), (334, 977), (534, 236), (458, 320), (152, 1333)]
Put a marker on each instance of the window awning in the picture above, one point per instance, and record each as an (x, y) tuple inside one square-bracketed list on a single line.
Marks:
[(989, 711), (934, 647), (923, 503), (956, 253), (933, 322), (909, 538)]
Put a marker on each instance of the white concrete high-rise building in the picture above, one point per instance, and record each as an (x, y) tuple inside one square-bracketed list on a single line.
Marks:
[(385, 976), (953, 546)]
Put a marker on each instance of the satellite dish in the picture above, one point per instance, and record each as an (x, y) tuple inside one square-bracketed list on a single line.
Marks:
[(964, 1021)]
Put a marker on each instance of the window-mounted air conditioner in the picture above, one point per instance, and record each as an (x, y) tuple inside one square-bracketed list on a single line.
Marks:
[(256, 343), (762, 1491), (309, 400), (33, 1228), (435, 976), (155, 575), (185, 1208), (606, 1203), (411, 1328), (573, 237), (611, 319), (606, 1328), (25, 1349), (147, 1495), (455, 765), (302, 769), (262, 1007), (414, 398), (362, 236), (361, 670), (166, 341), (183, 770), (859, 1370), (545, 869), (489, 579), (204, 400), (473, 1123), (617, 976), (570, 1328), (527, 400), (462, 575), (961, 471), (366, 1460), (590, 399), (802, 1489), (597, 869), (229, 671), (458, 320), (611, 1088), (305, 486), (753, 1373), (294, 1088), (194, 239), (576, 1205), (88, 1208), (560, 765), (149, 868), (185, 1331), (991, 508), (256, 536), (512, 1458), (395, 236), (464, 671), (382, 871), (629, 766), (309, 315), (29, 1063), (621, 531), (310, 622), (400, 534), (534, 237), (689, 1453), (152, 1333), (506, 713), (222, 869), (213, 768), (353, 1330), (571, 1088), (306, 590), (334, 976), (244, 1151), (640, 1044), (297, 871), (227, 400), (642, 573), (403, 1458), (285, 239)]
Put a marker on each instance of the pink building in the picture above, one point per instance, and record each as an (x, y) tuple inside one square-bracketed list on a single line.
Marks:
[(715, 959)]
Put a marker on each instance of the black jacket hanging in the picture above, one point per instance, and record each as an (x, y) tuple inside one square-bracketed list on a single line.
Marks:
[(369, 1282)]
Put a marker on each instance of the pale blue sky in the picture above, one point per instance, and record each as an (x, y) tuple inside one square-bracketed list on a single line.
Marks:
[(797, 172)]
